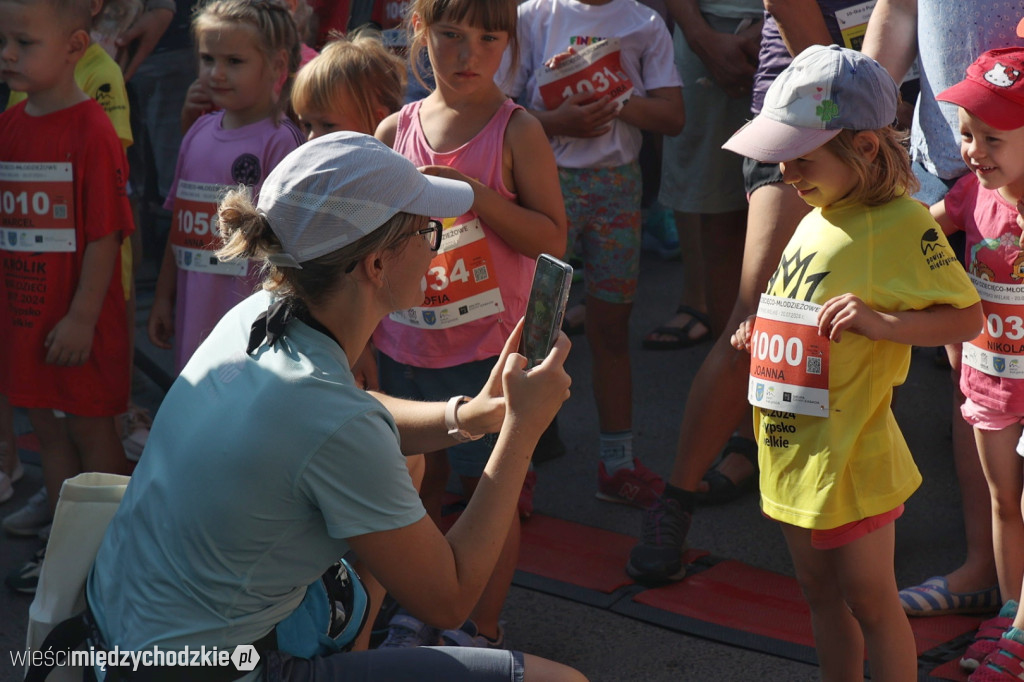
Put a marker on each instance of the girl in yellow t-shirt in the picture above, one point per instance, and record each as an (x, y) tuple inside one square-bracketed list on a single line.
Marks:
[(866, 275)]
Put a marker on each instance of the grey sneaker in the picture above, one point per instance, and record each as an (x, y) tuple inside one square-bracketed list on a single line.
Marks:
[(468, 635), (658, 557), (406, 631), (31, 518)]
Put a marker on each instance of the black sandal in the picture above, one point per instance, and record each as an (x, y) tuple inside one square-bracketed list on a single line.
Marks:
[(680, 335), (722, 489)]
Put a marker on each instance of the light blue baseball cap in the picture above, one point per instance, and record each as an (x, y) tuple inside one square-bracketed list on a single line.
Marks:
[(825, 89)]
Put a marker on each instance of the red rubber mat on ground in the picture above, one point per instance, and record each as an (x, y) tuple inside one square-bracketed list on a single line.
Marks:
[(28, 442), (735, 595), (580, 555), (950, 670)]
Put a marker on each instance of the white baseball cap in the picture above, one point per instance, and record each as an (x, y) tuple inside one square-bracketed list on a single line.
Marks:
[(824, 90), (334, 190)]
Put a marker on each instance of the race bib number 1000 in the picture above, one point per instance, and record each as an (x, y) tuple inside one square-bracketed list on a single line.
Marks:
[(595, 69), (37, 210), (788, 358), (194, 234)]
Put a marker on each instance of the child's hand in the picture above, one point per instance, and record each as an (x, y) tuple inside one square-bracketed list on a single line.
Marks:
[(578, 116), (69, 342), (1020, 220), (559, 58), (848, 312), (446, 172), (197, 103), (740, 338), (161, 323)]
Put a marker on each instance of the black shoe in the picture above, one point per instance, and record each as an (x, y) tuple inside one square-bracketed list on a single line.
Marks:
[(658, 558)]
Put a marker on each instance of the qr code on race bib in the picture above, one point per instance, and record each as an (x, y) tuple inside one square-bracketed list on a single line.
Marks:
[(60, 212), (480, 273), (813, 365)]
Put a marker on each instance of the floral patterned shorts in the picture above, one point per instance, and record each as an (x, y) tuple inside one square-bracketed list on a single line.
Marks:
[(603, 208)]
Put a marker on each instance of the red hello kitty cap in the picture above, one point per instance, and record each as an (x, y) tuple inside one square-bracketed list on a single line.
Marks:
[(993, 89)]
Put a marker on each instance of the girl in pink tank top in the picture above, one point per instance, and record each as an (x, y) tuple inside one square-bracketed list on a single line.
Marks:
[(478, 283)]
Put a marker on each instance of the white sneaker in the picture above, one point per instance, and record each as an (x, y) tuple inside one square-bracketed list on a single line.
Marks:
[(31, 518), (7, 482)]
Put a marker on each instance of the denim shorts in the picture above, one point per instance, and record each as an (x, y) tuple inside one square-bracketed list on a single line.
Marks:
[(438, 385), (419, 664)]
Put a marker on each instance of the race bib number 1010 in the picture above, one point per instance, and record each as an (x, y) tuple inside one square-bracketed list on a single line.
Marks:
[(37, 211)]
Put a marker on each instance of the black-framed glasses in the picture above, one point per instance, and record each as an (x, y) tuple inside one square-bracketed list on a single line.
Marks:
[(432, 233)]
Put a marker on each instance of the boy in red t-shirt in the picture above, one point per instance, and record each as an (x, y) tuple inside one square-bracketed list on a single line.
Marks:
[(63, 332)]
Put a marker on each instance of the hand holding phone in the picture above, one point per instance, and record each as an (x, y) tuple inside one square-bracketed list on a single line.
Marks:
[(546, 308)]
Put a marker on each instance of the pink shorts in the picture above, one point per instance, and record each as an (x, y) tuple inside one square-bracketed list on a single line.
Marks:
[(847, 533), (987, 419)]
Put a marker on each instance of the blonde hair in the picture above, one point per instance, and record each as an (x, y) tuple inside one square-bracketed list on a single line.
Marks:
[(73, 14), (359, 71), (883, 179), (490, 15), (273, 23), (246, 233)]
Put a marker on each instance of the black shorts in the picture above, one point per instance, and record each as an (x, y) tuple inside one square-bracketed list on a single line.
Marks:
[(757, 174)]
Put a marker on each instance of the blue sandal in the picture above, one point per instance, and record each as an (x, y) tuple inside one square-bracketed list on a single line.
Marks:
[(933, 598)]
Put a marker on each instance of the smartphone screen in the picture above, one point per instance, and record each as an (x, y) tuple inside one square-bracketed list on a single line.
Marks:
[(544, 312)]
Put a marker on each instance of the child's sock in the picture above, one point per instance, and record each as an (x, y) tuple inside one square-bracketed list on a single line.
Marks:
[(687, 500), (1016, 634), (616, 451)]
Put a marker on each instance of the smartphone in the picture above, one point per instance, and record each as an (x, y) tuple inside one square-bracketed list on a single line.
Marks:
[(546, 308)]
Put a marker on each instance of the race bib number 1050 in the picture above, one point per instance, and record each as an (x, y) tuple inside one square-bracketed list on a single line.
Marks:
[(788, 358), (194, 234)]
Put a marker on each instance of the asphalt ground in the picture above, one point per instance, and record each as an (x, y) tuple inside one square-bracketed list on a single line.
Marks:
[(603, 644)]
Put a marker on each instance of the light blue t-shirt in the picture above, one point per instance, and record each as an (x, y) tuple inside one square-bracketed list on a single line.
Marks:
[(256, 470), (732, 9), (950, 35)]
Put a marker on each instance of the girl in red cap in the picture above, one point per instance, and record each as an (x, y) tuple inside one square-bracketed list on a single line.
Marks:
[(984, 204)]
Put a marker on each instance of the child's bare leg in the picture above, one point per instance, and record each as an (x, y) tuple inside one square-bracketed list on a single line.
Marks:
[(978, 570), (607, 329), (56, 451), (98, 444), (433, 481), (868, 581), (487, 612), (1003, 470), (837, 635), (8, 439)]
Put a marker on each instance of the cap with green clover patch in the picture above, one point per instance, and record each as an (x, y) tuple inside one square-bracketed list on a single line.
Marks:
[(823, 91)]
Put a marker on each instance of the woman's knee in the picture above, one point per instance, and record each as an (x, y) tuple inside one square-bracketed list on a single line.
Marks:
[(537, 669)]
